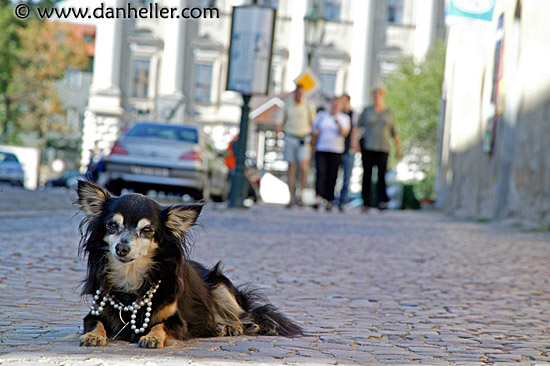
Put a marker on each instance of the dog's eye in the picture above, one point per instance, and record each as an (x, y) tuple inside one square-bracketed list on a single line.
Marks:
[(147, 231), (112, 226)]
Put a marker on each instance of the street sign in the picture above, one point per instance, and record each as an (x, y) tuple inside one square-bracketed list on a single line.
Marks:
[(250, 49), (248, 73), (309, 80), (458, 11)]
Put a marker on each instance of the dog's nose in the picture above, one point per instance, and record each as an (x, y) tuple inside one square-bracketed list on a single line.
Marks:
[(122, 249)]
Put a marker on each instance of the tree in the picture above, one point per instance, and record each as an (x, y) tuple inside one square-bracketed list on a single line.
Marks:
[(48, 50), (9, 47), (414, 94), (33, 55)]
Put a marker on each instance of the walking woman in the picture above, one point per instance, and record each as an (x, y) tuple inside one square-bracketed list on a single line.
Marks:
[(330, 129)]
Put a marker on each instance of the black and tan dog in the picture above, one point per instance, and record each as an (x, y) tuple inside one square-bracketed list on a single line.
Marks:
[(144, 287)]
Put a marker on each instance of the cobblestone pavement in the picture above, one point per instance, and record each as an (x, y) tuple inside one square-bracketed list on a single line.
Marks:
[(392, 287)]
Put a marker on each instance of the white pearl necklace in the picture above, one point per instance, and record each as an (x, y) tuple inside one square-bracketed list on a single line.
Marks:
[(146, 300)]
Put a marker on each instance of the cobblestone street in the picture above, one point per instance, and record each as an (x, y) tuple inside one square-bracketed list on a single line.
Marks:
[(394, 287)]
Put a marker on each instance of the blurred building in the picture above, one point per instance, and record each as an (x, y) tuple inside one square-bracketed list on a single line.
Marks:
[(73, 91), (175, 70), (74, 88), (495, 153)]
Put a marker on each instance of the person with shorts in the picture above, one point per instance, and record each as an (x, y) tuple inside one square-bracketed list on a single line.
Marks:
[(295, 121)]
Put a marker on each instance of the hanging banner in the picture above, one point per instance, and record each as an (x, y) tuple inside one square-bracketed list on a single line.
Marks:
[(497, 94), (460, 10), (250, 49)]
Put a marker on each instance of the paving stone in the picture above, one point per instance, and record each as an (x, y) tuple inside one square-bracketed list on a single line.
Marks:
[(399, 288)]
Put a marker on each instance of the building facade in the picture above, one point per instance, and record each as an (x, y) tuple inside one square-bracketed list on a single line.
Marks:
[(175, 70), (495, 136), (73, 91)]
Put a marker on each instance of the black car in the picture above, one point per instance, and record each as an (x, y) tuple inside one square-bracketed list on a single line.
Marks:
[(68, 179)]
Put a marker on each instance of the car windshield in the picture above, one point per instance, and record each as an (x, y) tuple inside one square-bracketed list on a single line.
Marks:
[(173, 133), (7, 157)]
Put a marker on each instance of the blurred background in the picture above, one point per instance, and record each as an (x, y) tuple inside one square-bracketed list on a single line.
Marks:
[(468, 82)]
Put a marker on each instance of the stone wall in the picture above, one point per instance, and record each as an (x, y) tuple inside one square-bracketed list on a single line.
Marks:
[(513, 181)]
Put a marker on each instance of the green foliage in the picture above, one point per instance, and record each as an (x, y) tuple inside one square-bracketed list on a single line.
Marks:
[(414, 95), (9, 46), (33, 55), (425, 188), (32, 4)]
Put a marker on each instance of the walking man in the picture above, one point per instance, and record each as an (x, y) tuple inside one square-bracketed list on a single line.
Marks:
[(295, 120), (377, 128)]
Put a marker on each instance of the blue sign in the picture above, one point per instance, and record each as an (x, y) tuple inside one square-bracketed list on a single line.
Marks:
[(473, 9)]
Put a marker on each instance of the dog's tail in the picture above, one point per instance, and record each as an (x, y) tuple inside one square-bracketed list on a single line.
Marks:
[(262, 318)]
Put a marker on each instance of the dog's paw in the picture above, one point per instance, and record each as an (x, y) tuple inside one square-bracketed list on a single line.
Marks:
[(92, 339), (229, 330), (251, 328), (151, 341)]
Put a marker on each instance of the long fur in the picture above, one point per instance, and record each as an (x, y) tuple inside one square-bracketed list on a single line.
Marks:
[(192, 300)]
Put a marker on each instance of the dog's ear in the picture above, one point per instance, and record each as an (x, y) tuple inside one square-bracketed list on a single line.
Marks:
[(91, 198), (179, 218)]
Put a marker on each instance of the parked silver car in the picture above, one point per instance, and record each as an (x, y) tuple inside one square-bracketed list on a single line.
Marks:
[(11, 170), (174, 158)]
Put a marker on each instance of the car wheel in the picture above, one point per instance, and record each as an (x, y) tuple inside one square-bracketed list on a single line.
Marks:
[(114, 187), (140, 189)]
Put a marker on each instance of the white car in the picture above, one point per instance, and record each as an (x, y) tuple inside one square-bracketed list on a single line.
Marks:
[(173, 158), (11, 170)]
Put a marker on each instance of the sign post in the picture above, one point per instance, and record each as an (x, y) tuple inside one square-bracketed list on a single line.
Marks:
[(250, 51)]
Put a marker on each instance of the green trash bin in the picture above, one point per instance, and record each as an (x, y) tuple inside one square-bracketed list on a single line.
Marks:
[(410, 202)]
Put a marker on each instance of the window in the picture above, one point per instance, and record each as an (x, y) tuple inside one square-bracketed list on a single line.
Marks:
[(328, 84), (395, 11), (88, 38), (140, 80), (173, 133), (73, 78), (272, 3), (203, 83), (331, 9), (8, 157), (90, 67)]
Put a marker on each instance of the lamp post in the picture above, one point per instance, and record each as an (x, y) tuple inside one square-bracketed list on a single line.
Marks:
[(314, 27)]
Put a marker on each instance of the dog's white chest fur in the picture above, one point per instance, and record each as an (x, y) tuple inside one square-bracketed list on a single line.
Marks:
[(128, 276)]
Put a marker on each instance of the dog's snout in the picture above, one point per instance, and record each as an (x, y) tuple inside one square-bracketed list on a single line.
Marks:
[(122, 249)]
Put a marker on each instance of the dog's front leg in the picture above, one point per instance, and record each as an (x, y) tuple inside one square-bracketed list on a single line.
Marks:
[(94, 332), (173, 328), (156, 338), (168, 325)]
